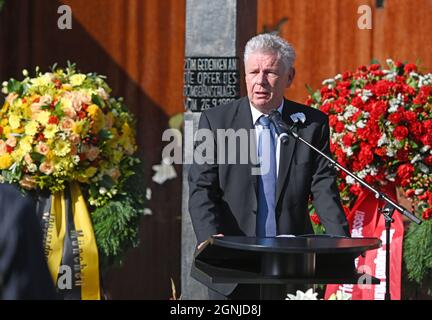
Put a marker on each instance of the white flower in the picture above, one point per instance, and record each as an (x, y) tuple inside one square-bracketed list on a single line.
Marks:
[(349, 180), (418, 191), (25, 73), (423, 168), (340, 295), (382, 140), (164, 171), (4, 84), (298, 117), (148, 193), (425, 149), (351, 127), (416, 158), (102, 190), (308, 295), (350, 111), (328, 82), (361, 124)]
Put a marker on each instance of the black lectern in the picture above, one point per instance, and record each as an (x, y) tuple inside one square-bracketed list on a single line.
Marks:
[(275, 262)]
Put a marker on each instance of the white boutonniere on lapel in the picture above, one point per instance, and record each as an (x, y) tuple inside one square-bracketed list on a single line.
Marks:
[(298, 117)]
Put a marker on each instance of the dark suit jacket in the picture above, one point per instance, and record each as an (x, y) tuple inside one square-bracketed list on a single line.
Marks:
[(23, 270), (223, 198)]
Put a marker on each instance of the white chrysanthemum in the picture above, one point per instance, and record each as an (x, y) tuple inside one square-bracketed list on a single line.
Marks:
[(350, 110), (328, 81), (361, 124), (349, 180), (308, 295), (351, 127), (418, 191), (425, 149), (362, 174), (416, 158), (383, 140)]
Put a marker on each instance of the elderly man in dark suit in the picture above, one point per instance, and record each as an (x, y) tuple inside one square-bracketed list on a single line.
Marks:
[(23, 270), (229, 199)]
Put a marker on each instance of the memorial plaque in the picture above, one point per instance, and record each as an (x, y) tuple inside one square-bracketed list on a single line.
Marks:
[(210, 81)]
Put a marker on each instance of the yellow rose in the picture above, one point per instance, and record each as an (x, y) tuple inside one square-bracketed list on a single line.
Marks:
[(43, 117), (93, 110), (5, 161), (31, 128), (50, 131), (14, 121), (43, 80), (77, 127), (77, 79), (18, 154)]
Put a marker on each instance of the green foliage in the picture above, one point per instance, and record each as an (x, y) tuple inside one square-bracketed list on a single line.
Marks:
[(2, 2), (418, 253), (116, 223)]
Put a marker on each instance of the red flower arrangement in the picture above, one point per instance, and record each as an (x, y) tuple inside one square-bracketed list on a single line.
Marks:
[(381, 128)]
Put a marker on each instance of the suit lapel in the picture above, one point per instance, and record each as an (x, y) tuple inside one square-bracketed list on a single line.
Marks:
[(243, 120), (286, 153)]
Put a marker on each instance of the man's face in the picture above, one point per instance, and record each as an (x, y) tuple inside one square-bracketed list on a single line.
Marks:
[(266, 80)]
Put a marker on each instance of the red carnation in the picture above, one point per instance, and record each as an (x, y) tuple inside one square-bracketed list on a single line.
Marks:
[(429, 198), (53, 120), (348, 139), (402, 155), (416, 129), (427, 138), (355, 189), (382, 88), (357, 102), (410, 116), (405, 171), (380, 151), (427, 214), (366, 156), (379, 109), (409, 67), (315, 219), (428, 160), (339, 127), (333, 120), (326, 108), (375, 66), (400, 132), (395, 117)]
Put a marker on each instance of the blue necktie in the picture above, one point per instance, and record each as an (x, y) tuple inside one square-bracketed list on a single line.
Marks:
[(266, 221)]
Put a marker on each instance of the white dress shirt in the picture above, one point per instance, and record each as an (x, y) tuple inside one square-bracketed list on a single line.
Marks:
[(258, 128)]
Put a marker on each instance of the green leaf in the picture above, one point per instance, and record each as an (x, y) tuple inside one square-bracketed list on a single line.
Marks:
[(15, 86), (107, 182), (97, 100), (105, 135), (36, 156), (58, 110)]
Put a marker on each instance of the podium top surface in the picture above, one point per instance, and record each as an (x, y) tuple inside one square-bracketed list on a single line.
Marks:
[(301, 244)]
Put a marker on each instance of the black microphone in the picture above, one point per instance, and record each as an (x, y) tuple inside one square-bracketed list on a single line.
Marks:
[(280, 126)]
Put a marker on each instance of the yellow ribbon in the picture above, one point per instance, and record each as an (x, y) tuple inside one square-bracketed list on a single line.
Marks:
[(89, 260)]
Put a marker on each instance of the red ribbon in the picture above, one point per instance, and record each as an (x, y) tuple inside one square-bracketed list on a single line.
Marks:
[(365, 221)]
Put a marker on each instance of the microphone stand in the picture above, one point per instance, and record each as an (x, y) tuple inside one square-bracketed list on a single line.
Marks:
[(389, 207)]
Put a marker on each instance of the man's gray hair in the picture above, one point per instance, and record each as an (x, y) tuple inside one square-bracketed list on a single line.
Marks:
[(268, 42)]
